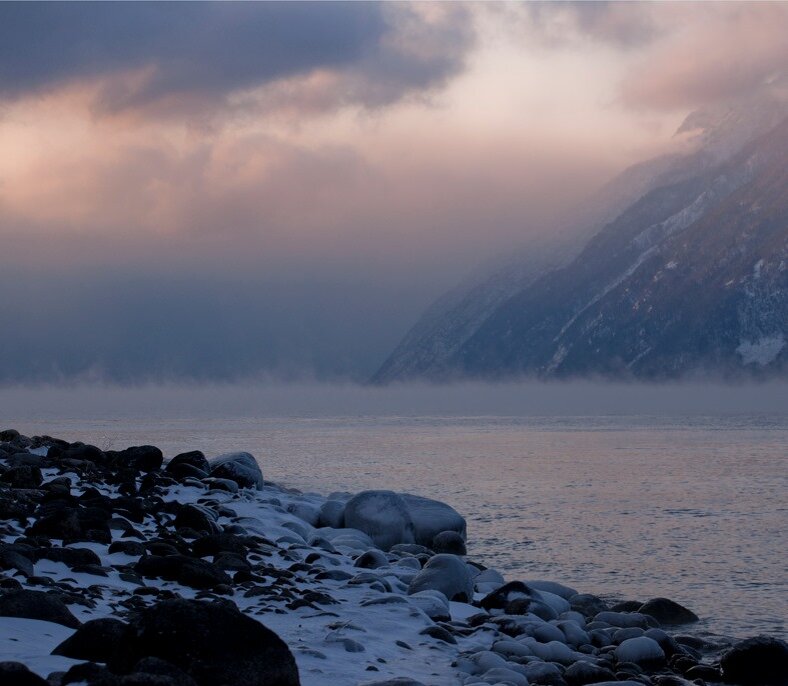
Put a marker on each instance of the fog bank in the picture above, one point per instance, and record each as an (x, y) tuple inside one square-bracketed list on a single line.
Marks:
[(532, 399)]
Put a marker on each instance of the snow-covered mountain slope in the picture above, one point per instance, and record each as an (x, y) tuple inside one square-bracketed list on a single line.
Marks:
[(626, 304)]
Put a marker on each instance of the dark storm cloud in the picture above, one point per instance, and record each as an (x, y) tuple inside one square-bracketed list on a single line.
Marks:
[(213, 49)]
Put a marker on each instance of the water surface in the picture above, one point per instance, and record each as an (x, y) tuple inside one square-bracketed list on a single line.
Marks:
[(629, 506)]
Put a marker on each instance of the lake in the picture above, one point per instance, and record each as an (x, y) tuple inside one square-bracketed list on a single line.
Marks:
[(673, 502)]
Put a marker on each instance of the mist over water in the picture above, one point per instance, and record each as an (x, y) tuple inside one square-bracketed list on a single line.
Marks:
[(265, 399)]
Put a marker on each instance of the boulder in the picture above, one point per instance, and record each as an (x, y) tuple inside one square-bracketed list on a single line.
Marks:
[(17, 674), (643, 651), (193, 458), (667, 611), (382, 515), (96, 640), (189, 571), (759, 660), (582, 673), (214, 643), (146, 458), (445, 573), (22, 476), (37, 605), (449, 542), (588, 605), (332, 513), (239, 467), (431, 517)]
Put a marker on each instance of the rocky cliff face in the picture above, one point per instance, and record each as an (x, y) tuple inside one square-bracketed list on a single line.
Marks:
[(691, 277)]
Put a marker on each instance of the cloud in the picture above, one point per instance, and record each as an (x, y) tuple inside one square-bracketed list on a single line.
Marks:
[(178, 57), (714, 53)]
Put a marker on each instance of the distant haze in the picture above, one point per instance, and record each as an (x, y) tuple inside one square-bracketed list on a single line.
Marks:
[(220, 191)]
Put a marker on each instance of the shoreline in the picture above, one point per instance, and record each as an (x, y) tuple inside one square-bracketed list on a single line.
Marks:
[(349, 612)]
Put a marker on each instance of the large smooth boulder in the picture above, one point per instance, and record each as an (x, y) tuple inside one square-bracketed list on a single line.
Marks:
[(239, 467), (643, 651), (431, 517), (445, 573), (37, 605), (96, 640), (214, 643), (382, 515), (760, 660), (667, 611)]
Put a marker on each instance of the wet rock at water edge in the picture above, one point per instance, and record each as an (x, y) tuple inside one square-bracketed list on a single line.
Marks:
[(760, 660), (667, 611)]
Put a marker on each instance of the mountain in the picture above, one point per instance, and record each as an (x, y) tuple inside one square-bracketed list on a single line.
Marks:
[(691, 276)]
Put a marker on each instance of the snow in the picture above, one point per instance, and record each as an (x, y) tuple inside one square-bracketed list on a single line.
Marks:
[(31, 641), (762, 351)]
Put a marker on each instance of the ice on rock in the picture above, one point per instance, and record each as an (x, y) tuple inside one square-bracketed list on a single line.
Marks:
[(332, 514), (432, 603), (504, 675), (445, 573), (553, 587), (431, 517), (642, 650), (382, 515), (239, 467)]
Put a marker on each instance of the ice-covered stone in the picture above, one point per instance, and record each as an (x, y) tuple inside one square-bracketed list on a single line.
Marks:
[(642, 650), (383, 515), (431, 517), (239, 467), (445, 573)]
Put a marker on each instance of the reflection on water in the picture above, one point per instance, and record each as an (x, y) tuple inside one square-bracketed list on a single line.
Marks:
[(692, 509)]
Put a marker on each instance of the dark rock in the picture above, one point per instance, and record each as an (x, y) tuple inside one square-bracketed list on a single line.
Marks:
[(214, 643), (185, 471), (449, 542), (582, 673), (96, 640), (760, 660), (37, 605), (10, 559), (70, 557), (146, 458), (626, 606), (213, 544), (587, 604), (22, 476), (193, 458), (372, 559), (197, 518), (438, 633), (17, 674), (152, 671), (127, 547), (192, 572), (704, 672), (91, 674), (667, 611)]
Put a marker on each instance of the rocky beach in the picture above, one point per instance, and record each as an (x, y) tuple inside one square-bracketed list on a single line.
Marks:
[(129, 567)]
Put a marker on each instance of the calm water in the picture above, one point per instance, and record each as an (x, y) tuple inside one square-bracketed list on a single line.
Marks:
[(692, 508)]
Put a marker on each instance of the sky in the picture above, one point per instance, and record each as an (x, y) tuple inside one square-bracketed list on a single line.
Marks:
[(232, 190)]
